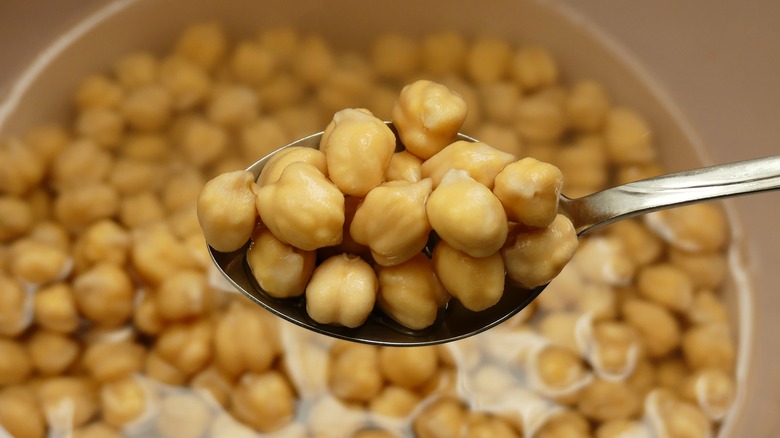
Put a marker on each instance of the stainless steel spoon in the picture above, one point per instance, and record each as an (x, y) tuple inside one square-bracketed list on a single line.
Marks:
[(587, 213)]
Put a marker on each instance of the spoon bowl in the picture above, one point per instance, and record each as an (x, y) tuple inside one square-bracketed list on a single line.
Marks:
[(588, 213)]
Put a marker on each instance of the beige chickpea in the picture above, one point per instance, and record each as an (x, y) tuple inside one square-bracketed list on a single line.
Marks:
[(183, 188), (584, 162), (477, 282), (281, 40), (159, 369), (709, 346), (287, 210), (187, 346), (394, 402), (480, 160), (184, 294), (313, 60), (103, 241), (605, 400), (599, 301), (183, 415), (347, 85), (102, 125), (232, 106), (675, 418), (252, 63), (205, 44), (284, 91), (140, 209), (706, 307), (264, 401), (565, 424), (21, 167), (244, 341), (342, 291), (261, 137), (534, 257), (51, 233), (671, 373), (408, 367), (136, 68), (109, 360), (354, 373), (214, 385), (146, 147), (468, 93), (713, 390), (52, 353), (706, 270), (281, 270), (604, 259), (587, 106), (442, 418), (404, 167), (443, 52), (123, 401), (16, 311), (529, 190), (538, 119), (658, 329), (147, 108), (667, 285), (410, 292), (47, 140), (488, 59), (559, 370), (641, 245), (203, 141), (358, 148), (146, 318), (20, 413), (467, 215), (98, 90), (41, 202), (560, 328), (80, 207), (226, 210), (188, 84), (394, 56), (501, 137), (693, 228), (498, 101), (628, 137), (17, 217), (622, 428), (55, 308), (373, 433), (428, 116), (71, 399), (16, 365), (105, 294), (392, 221), (81, 163), (130, 176), (278, 162), (533, 67)]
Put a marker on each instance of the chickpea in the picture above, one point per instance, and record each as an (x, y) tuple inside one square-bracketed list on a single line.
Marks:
[(501, 137), (469, 95), (21, 168), (584, 162), (587, 106), (72, 400), (225, 425), (564, 425), (487, 60), (373, 433), (560, 328), (667, 285), (284, 91), (281, 270), (17, 218), (20, 413), (313, 60), (226, 210), (331, 418), (140, 210), (540, 119), (96, 430), (205, 44), (615, 348), (534, 257), (395, 56), (52, 353), (15, 362), (404, 167), (628, 137), (188, 84), (482, 162), (150, 148), (123, 401), (186, 346), (354, 374), (147, 108), (443, 52), (442, 418), (622, 428), (675, 418), (156, 252), (183, 416), (244, 341), (693, 228), (108, 361), (641, 245), (135, 69), (286, 208), (410, 292), (559, 370), (203, 141), (104, 294), (47, 140), (214, 385), (342, 291), (671, 373), (55, 308), (264, 401), (706, 270), (533, 67), (98, 91), (658, 329), (80, 207), (159, 369), (604, 259), (184, 294), (467, 215), (263, 136), (408, 367), (709, 346), (393, 222), (529, 191), (394, 402), (15, 310), (428, 116), (477, 282), (104, 126), (103, 241), (252, 63), (490, 427), (489, 382), (605, 400), (232, 106), (707, 308), (348, 85), (713, 390), (278, 162)]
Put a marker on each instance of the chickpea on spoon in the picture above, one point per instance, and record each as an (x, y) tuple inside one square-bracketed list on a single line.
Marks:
[(410, 233)]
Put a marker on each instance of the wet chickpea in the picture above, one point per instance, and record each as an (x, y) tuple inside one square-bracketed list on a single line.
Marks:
[(404, 167), (529, 189), (355, 374), (480, 160), (278, 162), (281, 270), (72, 398), (226, 210), (477, 282), (467, 215), (342, 291), (428, 116), (408, 367), (104, 294), (264, 401), (392, 221), (410, 292), (123, 401), (20, 413), (52, 353)]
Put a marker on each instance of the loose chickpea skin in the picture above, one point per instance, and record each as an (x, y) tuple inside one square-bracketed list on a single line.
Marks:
[(675, 418), (183, 415), (481, 161), (342, 291), (428, 116), (713, 390), (392, 221), (698, 228), (264, 401), (477, 282), (410, 292)]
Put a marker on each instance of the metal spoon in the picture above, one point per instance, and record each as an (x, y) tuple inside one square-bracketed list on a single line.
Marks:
[(587, 213)]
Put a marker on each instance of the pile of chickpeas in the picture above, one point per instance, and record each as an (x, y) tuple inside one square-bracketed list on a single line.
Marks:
[(113, 321)]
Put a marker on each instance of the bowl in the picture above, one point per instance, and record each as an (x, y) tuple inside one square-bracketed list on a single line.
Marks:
[(671, 80)]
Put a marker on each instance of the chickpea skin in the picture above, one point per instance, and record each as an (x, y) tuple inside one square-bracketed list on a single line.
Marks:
[(467, 215), (477, 282), (342, 291), (226, 210)]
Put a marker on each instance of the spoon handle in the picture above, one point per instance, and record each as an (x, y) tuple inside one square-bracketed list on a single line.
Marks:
[(672, 190)]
